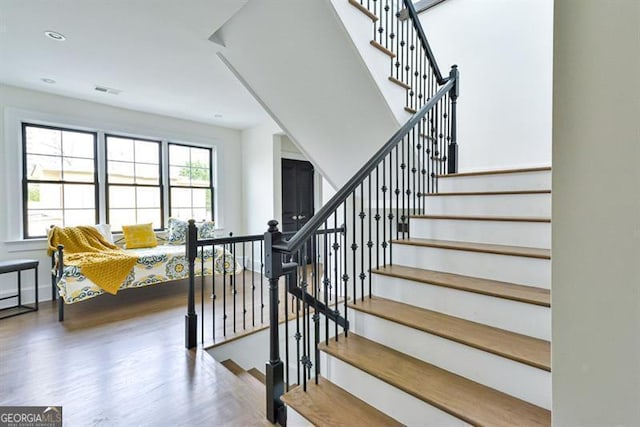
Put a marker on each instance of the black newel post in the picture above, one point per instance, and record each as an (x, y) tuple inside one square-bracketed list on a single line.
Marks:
[(191, 319), (276, 411), (452, 155)]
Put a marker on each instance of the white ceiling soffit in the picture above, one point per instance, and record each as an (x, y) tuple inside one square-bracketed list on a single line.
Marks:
[(156, 52)]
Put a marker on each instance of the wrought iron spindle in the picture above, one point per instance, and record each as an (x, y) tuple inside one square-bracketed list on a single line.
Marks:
[(362, 216), (354, 245), (224, 300), (370, 239), (202, 292), (261, 282), (377, 217), (325, 279), (233, 284)]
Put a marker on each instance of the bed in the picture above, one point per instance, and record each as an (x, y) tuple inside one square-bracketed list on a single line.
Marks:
[(159, 264)]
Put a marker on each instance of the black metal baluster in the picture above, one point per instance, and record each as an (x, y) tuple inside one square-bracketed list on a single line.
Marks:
[(388, 27), (304, 338), (244, 293), (336, 259), (298, 337), (411, 66), (370, 240), (397, 189), (384, 211), (392, 36), (407, 43), (316, 312), (398, 36), (344, 254), (233, 284), (213, 295), (224, 295), (362, 216), (261, 282), (403, 167), (423, 169), (253, 285), (440, 136), (418, 166), (286, 332), (404, 45), (391, 201), (202, 293), (325, 279), (377, 217), (375, 25), (354, 245), (336, 246)]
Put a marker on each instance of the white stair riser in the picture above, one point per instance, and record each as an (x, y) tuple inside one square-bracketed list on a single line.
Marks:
[(294, 419), (530, 234), (517, 379), (386, 398), (527, 319), (523, 205), (540, 180), (505, 268)]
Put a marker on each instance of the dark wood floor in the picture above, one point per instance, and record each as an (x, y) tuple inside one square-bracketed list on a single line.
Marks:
[(120, 361)]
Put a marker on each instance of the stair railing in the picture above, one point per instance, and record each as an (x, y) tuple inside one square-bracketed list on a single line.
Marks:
[(233, 303), (372, 209)]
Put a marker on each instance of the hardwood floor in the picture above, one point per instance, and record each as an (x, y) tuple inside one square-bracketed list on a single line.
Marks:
[(120, 361)]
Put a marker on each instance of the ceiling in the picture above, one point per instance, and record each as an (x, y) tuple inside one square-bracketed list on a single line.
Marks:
[(156, 52)]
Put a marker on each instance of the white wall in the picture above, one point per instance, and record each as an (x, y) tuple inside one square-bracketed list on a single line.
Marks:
[(596, 214), (260, 154), (297, 59), (16, 104), (504, 51)]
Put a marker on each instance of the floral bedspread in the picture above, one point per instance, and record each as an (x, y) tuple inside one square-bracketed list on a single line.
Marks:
[(155, 265)]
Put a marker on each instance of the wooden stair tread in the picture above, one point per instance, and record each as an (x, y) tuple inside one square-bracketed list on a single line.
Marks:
[(520, 348), (494, 288), (364, 10), (399, 83), (483, 218), (258, 375), (326, 404), (232, 366), (456, 395), (382, 49), (496, 172), (409, 110), (489, 193), (478, 247)]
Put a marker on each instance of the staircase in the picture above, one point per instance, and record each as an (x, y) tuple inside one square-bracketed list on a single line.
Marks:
[(440, 280), (457, 331)]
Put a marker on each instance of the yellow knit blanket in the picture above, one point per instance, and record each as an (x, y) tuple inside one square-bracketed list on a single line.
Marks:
[(101, 262)]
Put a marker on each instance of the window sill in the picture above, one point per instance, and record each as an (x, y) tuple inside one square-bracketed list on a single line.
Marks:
[(28, 245)]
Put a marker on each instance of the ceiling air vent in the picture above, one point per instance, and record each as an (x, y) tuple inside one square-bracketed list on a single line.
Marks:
[(105, 89)]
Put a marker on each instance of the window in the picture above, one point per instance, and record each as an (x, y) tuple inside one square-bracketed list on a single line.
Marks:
[(59, 178), (81, 177), (134, 182), (190, 182)]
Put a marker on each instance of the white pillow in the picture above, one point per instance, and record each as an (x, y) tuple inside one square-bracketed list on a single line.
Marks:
[(105, 230)]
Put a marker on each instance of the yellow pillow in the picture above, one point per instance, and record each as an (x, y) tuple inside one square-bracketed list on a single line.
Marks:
[(139, 236)]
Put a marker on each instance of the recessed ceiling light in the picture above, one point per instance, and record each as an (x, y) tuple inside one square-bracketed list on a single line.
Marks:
[(108, 90), (55, 36), (49, 81), (217, 116)]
